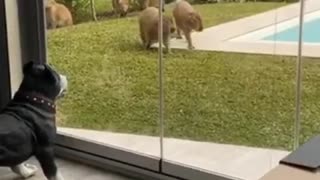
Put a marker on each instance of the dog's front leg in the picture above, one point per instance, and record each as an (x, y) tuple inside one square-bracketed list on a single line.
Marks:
[(25, 170), (45, 157)]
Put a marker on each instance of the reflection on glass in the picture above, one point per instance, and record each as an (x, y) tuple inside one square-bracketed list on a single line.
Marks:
[(230, 98), (113, 97)]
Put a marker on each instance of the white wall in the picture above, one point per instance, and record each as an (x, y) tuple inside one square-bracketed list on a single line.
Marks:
[(14, 44)]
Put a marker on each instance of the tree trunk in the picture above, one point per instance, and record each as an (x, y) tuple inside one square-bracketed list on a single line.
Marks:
[(93, 10)]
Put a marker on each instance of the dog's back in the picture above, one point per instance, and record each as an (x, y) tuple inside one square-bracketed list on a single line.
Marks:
[(16, 140)]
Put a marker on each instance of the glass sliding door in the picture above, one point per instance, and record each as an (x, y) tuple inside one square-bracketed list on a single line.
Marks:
[(111, 108), (229, 88)]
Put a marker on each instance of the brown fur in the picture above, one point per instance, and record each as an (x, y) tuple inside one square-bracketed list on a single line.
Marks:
[(57, 15), (148, 24), (120, 7), (152, 3), (187, 20)]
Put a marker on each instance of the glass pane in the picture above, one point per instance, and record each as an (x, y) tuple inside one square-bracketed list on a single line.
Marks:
[(230, 98), (113, 81), (309, 72)]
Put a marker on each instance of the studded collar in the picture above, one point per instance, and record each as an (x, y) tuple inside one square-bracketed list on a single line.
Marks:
[(36, 99)]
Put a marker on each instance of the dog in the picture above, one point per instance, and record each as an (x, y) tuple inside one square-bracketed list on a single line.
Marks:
[(57, 15), (187, 20), (27, 123), (148, 26)]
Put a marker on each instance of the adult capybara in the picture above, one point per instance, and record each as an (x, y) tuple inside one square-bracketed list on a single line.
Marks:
[(57, 15), (148, 25), (187, 19), (120, 7), (153, 3)]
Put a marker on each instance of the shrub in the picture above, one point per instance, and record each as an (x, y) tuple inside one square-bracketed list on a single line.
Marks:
[(78, 8)]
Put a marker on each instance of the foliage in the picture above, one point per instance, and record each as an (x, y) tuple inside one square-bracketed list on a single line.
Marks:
[(77, 7)]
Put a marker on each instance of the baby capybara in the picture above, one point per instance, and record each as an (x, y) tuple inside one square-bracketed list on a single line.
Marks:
[(148, 25)]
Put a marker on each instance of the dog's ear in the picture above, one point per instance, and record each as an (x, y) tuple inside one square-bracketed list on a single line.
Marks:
[(32, 68), (27, 67), (51, 74)]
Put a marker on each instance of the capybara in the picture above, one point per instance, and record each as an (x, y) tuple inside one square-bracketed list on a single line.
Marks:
[(148, 25), (187, 19), (120, 7), (242, 1), (153, 3), (57, 15)]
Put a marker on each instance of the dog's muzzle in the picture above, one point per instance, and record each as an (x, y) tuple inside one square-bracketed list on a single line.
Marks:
[(63, 86)]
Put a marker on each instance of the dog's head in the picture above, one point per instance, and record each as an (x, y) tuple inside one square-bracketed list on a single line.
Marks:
[(43, 80)]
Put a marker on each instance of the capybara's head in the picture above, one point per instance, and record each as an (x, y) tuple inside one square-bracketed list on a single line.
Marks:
[(195, 21), (168, 21), (124, 6)]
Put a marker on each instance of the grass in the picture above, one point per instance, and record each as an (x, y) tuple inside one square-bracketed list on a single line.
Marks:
[(218, 97)]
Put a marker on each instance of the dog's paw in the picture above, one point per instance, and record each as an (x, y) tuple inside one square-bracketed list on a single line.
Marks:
[(57, 177), (25, 170)]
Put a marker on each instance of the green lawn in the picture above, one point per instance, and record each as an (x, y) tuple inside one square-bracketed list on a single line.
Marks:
[(219, 97)]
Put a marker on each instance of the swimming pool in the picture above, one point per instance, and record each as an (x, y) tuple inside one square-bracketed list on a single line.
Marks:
[(287, 31), (311, 33)]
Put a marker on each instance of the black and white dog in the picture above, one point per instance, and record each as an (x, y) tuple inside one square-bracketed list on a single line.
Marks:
[(27, 124)]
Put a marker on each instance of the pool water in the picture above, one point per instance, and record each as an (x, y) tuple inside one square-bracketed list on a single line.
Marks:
[(311, 33)]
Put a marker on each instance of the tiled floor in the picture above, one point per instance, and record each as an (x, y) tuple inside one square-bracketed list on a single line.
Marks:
[(70, 171)]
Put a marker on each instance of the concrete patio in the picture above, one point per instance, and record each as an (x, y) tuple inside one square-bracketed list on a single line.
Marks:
[(225, 159)]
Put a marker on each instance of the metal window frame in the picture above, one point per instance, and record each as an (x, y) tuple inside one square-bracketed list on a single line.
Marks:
[(4, 59), (34, 48)]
